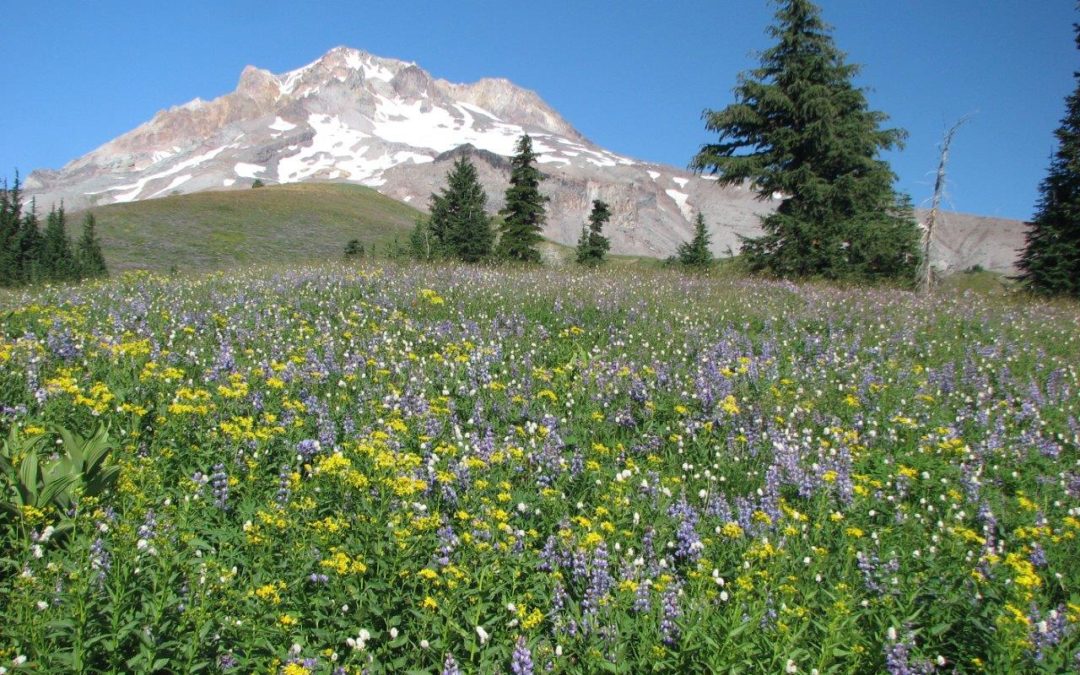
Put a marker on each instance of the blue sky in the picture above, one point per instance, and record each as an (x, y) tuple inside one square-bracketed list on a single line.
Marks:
[(633, 76)]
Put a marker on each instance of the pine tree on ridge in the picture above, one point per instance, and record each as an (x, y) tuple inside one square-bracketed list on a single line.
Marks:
[(800, 129), (459, 223), (523, 215)]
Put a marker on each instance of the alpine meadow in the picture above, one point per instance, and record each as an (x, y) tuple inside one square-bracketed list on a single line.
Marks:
[(456, 390)]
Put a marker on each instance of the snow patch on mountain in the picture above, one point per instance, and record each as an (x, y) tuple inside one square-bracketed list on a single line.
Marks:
[(282, 125), (680, 200), (245, 170), (334, 145), (420, 126), (176, 182), (134, 190)]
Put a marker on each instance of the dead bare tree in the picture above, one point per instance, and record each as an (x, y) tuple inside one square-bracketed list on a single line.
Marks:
[(926, 274)]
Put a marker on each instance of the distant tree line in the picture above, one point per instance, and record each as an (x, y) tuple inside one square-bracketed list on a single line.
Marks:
[(28, 255), (460, 228)]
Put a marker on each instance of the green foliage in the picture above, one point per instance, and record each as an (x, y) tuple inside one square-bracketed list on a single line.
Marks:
[(802, 130), (354, 249), (10, 224), (29, 250), (32, 479), (57, 258), (593, 246), (422, 245), (257, 183), (27, 256), (523, 215), (695, 253), (89, 258), (459, 224), (226, 229), (1050, 262)]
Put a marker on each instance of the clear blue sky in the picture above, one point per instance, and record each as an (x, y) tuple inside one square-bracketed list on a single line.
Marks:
[(633, 75)]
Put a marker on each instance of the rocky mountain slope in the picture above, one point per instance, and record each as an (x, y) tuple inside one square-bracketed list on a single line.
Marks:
[(387, 124)]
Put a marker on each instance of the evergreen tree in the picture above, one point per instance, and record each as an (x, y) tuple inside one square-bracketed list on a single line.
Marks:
[(57, 259), (28, 249), (696, 253), (90, 261), (10, 222), (593, 246), (459, 224), (1050, 262), (524, 211), (421, 241), (800, 129), (354, 249)]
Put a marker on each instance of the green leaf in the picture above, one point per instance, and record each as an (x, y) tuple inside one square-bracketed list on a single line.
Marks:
[(56, 487), (28, 478), (940, 628), (73, 446), (97, 448)]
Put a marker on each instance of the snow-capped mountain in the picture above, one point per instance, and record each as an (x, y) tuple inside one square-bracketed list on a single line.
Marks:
[(354, 117)]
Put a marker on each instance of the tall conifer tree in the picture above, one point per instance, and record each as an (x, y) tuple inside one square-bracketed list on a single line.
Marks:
[(10, 222), (91, 262), (57, 259), (696, 253), (28, 249), (458, 220), (593, 246), (523, 215), (1050, 262), (800, 130)]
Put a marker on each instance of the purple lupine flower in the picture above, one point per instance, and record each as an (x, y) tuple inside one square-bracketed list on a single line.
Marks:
[(642, 599), (448, 541), (669, 630), (521, 661), (558, 597), (450, 666), (600, 581), (307, 448), (61, 343), (309, 664), (148, 529), (100, 561), (688, 542), (284, 481), (770, 502), (1037, 555), (898, 656), (219, 482), (1047, 631), (227, 661), (548, 555)]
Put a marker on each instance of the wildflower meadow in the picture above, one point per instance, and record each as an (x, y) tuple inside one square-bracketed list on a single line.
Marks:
[(444, 469)]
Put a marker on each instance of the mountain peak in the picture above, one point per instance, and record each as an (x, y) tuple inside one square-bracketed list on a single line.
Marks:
[(351, 116), (257, 83)]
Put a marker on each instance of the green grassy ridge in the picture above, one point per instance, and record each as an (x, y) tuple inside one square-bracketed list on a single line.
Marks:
[(226, 229), (308, 222)]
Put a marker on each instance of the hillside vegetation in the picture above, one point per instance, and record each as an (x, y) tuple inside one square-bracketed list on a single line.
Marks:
[(219, 230)]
